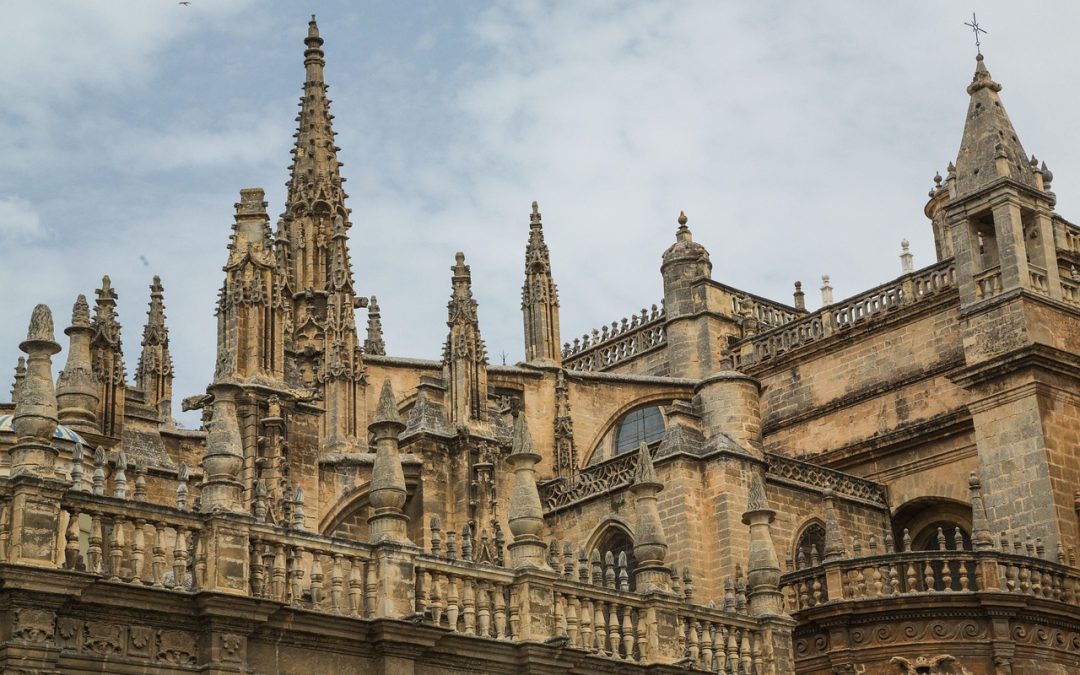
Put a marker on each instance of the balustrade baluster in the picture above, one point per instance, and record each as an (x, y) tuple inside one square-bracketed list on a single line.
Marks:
[(453, 610), (116, 548), (708, 646), (732, 663), (744, 653), (337, 584), (572, 609), (371, 588), (587, 625), (946, 575), (356, 588), (642, 637), (928, 577), (613, 629), (628, 632), (483, 609), (138, 550), (468, 604), (316, 580), (71, 545), (258, 570), (437, 604), (180, 554), (157, 560), (198, 576), (692, 632), (279, 573), (498, 596), (600, 627)]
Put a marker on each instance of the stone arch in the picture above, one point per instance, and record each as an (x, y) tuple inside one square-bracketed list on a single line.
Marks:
[(810, 534), (923, 516), (347, 518), (597, 445), (616, 536)]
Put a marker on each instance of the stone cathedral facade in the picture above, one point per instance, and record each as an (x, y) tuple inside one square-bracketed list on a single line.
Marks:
[(720, 482)]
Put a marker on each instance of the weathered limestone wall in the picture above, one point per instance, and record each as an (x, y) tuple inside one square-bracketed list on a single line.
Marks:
[(865, 384)]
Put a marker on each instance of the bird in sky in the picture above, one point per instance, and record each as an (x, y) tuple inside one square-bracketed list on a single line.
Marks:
[(185, 2)]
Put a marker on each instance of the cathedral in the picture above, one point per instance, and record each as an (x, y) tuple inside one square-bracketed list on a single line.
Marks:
[(718, 482)]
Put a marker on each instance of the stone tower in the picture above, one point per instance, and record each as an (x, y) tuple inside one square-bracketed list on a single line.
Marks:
[(1000, 218)]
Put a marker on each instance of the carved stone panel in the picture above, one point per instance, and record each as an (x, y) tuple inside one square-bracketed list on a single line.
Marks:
[(176, 647), (33, 625)]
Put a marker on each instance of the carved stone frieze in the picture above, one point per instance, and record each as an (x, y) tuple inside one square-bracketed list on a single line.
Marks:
[(176, 647), (34, 625), (921, 632), (103, 638), (232, 646)]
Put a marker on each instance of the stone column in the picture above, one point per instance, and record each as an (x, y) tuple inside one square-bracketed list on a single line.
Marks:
[(77, 388), (35, 409), (221, 491), (650, 545), (526, 516), (387, 521)]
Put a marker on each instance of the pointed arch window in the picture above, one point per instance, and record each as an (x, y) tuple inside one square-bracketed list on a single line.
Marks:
[(644, 425)]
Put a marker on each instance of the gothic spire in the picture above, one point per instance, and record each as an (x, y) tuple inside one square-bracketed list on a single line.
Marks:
[(374, 343), (315, 171), (540, 298), (990, 148), (464, 354), (107, 356), (155, 371)]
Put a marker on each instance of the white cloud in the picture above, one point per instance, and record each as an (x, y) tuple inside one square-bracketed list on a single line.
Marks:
[(19, 221)]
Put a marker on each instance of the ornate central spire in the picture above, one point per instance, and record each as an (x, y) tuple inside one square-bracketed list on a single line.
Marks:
[(315, 171)]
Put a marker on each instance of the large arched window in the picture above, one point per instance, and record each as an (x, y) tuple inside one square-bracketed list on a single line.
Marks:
[(644, 425)]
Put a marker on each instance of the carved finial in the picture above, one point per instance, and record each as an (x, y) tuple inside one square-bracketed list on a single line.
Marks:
[(526, 515), (387, 411), (682, 219), (80, 313), (826, 290), (645, 473)]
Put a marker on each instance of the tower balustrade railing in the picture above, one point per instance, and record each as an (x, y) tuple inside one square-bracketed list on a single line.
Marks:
[(863, 309), (1013, 569)]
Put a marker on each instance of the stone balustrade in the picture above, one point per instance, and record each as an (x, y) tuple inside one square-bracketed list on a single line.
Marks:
[(1015, 568), (607, 347), (918, 286), (579, 601)]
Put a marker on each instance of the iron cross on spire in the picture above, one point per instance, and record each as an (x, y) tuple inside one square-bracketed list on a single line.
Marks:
[(975, 28)]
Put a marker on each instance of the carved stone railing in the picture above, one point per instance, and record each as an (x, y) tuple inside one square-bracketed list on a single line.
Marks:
[(133, 542), (844, 485), (1040, 283), (609, 346), (769, 314), (909, 289), (597, 479), (1070, 291), (948, 571), (988, 283), (459, 585)]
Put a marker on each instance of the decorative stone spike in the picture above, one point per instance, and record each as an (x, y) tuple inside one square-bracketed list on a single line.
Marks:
[(298, 509), (77, 459), (609, 570), (907, 265), (466, 543), (435, 526), (374, 344), (35, 409), (981, 538), (182, 487), (99, 471), (907, 541), (451, 545), (140, 482), (526, 516), (120, 476), (763, 566), (387, 522), (826, 291), (597, 568), (624, 578), (688, 584), (259, 506), (650, 547), (20, 375)]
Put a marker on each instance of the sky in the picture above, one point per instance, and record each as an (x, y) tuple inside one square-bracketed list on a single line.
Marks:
[(799, 138)]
